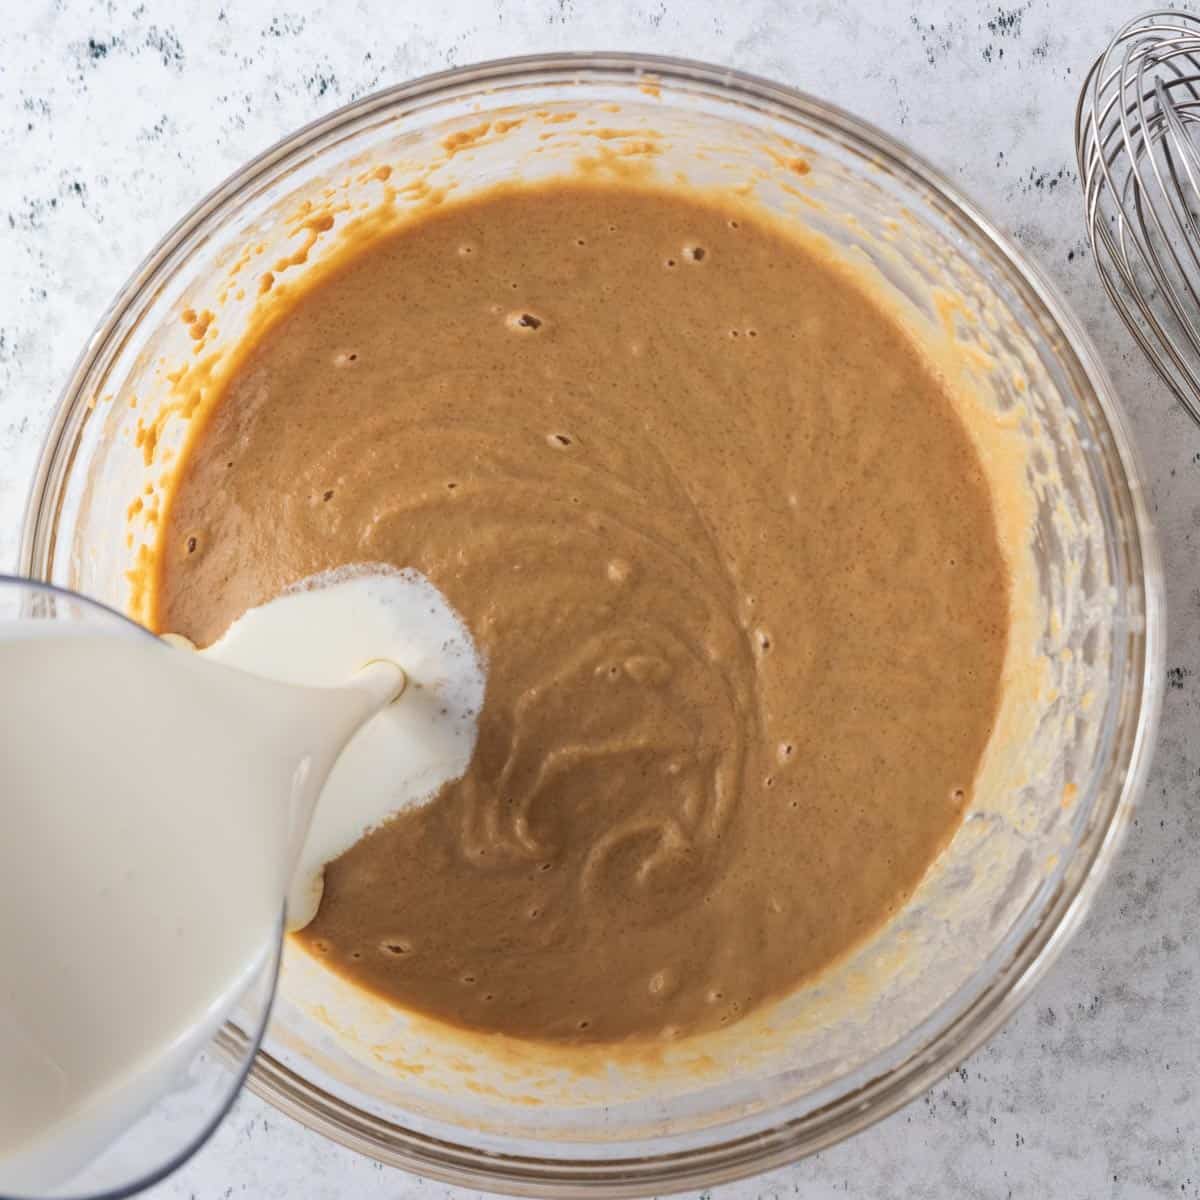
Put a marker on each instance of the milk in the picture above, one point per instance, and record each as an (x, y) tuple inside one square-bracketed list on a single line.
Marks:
[(156, 805), (404, 755)]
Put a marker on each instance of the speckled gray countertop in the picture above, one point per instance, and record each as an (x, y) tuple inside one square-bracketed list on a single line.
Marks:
[(116, 116)]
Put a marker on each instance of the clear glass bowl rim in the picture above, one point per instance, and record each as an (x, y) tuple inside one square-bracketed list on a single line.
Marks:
[(793, 1134)]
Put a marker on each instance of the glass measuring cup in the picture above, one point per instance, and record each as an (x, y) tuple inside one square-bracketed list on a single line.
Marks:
[(168, 1131)]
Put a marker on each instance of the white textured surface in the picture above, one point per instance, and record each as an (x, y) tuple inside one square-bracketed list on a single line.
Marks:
[(116, 116)]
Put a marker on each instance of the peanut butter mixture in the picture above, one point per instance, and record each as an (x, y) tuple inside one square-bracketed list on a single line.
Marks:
[(729, 554)]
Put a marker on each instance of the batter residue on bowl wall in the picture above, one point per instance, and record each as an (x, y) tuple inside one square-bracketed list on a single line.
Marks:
[(729, 552)]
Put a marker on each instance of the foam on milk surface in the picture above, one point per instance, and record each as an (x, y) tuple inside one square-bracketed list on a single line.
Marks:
[(407, 751)]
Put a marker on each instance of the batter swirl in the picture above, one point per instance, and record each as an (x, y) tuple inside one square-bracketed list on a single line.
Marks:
[(729, 554)]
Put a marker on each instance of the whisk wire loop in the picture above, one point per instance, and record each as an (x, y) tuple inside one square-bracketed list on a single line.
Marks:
[(1136, 129)]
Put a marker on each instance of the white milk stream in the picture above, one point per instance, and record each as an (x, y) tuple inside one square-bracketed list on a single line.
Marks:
[(159, 806)]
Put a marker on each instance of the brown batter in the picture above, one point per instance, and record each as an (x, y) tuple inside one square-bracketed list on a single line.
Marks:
[(729, 554)]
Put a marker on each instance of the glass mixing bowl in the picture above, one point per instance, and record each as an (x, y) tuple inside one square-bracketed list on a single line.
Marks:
[(1072, 746)]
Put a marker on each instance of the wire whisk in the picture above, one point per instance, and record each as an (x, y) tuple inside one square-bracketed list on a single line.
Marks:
[(1139, 164)]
